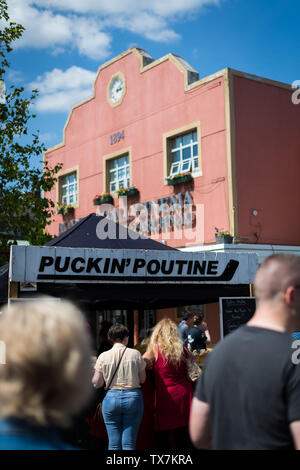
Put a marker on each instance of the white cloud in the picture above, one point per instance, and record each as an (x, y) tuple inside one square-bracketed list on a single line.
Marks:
[(48, 29), (129, 7), (15, 76), (84, 24), (48, 137), (151, 26), (59, 90)]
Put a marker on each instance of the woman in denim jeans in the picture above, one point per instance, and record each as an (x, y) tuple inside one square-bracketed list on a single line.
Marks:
[(123, 406)]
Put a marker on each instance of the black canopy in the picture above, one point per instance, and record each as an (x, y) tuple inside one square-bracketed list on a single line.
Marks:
[(85, 234)]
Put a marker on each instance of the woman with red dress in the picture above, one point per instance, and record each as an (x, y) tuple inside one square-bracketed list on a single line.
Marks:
[(173, 390)]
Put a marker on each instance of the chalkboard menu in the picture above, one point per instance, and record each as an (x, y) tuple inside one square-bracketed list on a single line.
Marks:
[(234, 312)]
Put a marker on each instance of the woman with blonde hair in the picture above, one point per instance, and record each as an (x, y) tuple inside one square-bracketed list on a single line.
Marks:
[(173, 390)]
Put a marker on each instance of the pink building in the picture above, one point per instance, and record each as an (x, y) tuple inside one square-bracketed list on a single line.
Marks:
[(234, 136)]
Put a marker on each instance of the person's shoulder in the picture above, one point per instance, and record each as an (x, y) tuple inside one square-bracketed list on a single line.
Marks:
[(104, 355), (134, 352)]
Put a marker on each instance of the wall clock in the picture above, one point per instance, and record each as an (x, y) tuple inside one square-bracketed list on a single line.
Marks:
[(116, 89)]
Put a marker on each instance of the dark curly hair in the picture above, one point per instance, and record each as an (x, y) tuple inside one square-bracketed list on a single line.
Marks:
[(117, 332)]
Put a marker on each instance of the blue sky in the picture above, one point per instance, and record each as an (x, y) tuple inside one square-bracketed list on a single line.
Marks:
[(67, 40)]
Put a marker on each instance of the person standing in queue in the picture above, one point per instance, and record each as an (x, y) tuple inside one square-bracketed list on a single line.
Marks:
[(45, 380), (248, 396), (184, 326), (202, 325), (196, 339), (173, 390), (122, 408)]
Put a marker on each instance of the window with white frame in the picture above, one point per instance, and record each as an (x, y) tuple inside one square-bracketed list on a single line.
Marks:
[(68, 187), (184, 153), (119, 173)]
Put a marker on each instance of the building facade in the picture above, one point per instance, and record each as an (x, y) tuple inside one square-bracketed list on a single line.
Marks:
[(223, 151)]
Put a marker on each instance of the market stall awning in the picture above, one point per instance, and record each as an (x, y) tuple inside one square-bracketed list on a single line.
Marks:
[(109, 266), (95, 231)]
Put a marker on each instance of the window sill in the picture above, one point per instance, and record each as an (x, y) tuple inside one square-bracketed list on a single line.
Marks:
[(170, 181), (196, 174)]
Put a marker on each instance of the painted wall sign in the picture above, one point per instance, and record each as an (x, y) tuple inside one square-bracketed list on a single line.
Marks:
[(60, 264)]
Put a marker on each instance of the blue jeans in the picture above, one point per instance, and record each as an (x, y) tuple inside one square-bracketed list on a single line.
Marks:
[(122, 413)]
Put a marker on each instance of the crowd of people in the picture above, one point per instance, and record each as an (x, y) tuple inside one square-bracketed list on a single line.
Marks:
[(246, 397)]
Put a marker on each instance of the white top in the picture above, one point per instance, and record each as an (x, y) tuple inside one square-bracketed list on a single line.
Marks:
[(127, 376)]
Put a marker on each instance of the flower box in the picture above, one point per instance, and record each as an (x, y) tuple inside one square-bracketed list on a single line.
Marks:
[(227, 239), (128, 192), (179, 179), (103, 199), (64, 209)]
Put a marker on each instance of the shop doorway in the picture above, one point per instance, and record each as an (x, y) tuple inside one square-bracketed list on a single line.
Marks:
[(147, 320), (117, 316)]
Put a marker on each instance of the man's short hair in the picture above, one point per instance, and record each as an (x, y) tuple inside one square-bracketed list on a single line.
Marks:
[(275, 274), (187, 316), (117, 332)]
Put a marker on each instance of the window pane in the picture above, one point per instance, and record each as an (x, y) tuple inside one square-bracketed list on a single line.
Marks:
[(112, 164), (174, 169), (186, 153), (175, 156), (186, 139), (173, 144), (195, 150), (186, 165), (121, 173), (195, 138), (71, 178), (112, 175), (195, 163), (176, 142)]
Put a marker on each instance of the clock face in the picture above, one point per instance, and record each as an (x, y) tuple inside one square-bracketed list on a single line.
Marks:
[(116, 89)]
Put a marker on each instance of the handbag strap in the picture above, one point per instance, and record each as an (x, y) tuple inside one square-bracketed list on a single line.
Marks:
[(116, 369)]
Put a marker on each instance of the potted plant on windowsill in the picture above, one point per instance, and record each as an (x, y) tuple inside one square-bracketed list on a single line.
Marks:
[(105, 198), (223, 236), (179, 178), (64, 208), (131, 191)]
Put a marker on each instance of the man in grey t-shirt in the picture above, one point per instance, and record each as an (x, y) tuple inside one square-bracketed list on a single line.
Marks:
[(248, 396), (184, 326)]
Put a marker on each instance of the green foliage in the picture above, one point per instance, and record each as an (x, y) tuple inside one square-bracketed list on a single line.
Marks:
[(23, 177)]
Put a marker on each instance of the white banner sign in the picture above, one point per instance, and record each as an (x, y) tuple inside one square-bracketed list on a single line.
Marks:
[(65, 265)]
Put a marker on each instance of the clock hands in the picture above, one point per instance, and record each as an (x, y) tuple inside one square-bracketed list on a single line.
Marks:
[(116, 89)]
